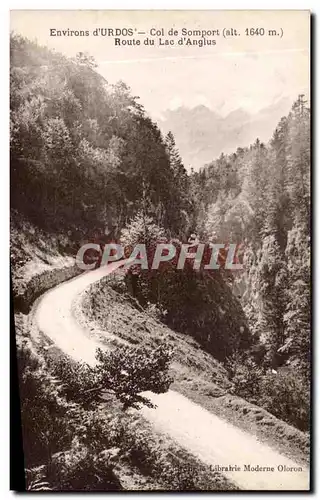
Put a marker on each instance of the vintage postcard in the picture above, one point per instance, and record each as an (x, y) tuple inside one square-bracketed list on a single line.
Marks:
[(160, 249)]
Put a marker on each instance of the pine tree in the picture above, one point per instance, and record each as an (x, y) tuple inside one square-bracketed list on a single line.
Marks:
[(271, 273), (182, 206), (298, 157), (297, 318)]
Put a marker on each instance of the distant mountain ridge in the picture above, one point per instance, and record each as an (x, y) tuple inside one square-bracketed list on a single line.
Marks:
[(202, 134)]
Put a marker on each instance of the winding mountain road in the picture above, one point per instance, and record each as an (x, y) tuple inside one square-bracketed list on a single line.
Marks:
[(214, 441)]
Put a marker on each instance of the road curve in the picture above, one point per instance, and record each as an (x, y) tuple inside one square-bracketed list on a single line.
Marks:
[(211, 439)]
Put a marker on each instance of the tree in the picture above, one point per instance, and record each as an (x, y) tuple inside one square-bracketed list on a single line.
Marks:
[(271, 276), (141, 229), (86, 59), (126, 372), (298, 154), (298, 297), (182, 206), (267, 208)]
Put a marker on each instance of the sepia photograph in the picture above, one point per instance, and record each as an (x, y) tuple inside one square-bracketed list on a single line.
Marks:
[(160, 249)]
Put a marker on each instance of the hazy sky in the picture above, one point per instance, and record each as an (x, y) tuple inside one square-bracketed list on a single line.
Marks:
[(239, 71)]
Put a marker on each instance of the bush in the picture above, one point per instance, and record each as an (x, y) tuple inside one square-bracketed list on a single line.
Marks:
[(128, 371), (286, 394), (46, 428), (82, 469), (125, 372), (246, 377)]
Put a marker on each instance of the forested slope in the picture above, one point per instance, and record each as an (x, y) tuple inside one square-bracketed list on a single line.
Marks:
[(84, 154), (260, 197)]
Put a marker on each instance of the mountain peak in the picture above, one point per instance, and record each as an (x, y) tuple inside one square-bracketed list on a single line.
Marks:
[(202, 134), (239, 115)]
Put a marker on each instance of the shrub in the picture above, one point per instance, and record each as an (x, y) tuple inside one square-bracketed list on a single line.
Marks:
[(65, 446), (125, 372), (246, 377), (128, 371), (286, 394), (45, 426), (82, 469), (174, 468)]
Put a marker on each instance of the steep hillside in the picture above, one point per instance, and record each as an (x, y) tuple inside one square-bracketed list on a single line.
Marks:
[(259, 196), (116, 319), (39, 261), (84, 153), (101, 442)]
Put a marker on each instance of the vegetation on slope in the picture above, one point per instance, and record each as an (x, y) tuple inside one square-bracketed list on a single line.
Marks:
[(205, 307), (75, 443), (260, 197), (39, 261), (119, 320), (84, 154)]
